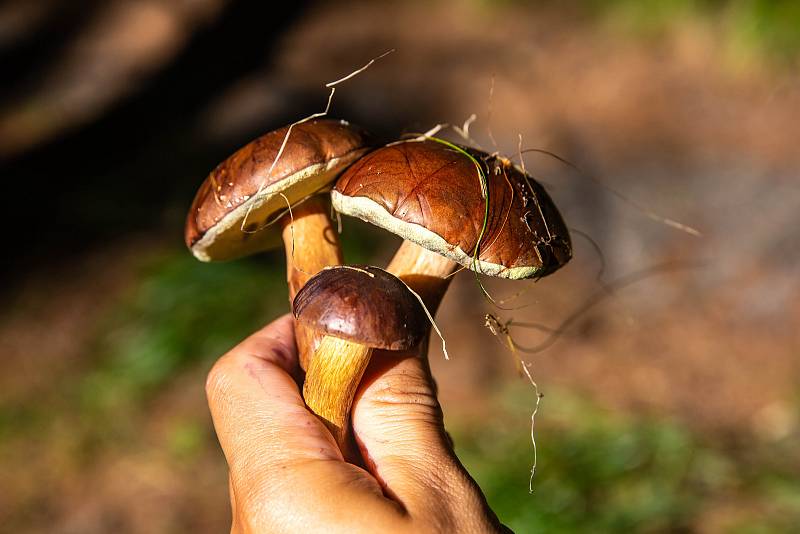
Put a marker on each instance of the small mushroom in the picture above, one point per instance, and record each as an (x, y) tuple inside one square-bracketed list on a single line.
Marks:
[(233, 211), (356, 309), (430, 194)]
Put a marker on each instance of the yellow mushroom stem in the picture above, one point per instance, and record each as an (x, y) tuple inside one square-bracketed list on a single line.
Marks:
[(332, 378), (311, 243), (427, 273)]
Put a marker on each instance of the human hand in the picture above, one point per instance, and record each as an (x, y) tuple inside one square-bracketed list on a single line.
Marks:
[(287, 473)]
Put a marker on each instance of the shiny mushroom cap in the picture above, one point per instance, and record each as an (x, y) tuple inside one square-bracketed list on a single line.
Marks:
[(365, 305), (430, 193), (243, 187)]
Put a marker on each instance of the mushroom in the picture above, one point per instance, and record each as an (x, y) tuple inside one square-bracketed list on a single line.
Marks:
[(430, 194), (233, 211), (356, 309)]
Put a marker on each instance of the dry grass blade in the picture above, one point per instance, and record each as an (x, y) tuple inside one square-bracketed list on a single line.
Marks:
[(332, 86), (645, 211)]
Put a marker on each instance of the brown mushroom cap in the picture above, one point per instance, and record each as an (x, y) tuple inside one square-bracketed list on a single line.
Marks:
[(365, 305), (430, 194), (316, 152)]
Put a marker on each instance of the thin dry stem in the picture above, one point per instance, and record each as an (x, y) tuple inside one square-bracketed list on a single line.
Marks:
[(642, 209), (521, 159), (430, 319), (332, 87), (501, 331), (291, 228), (463, 132), (489, 114), (427, 275), (606, 291)]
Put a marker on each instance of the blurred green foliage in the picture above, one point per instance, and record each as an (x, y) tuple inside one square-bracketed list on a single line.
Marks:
[(182, 313), (600, 471), (758, 28), (179, 315), (770, 27), (751, 31)]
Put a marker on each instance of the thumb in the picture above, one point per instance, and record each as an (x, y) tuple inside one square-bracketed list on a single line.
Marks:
[(398, 426)]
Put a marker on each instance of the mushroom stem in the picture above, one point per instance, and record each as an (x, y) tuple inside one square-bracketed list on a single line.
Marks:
[(427, 273), (331, 381), (311, 244)]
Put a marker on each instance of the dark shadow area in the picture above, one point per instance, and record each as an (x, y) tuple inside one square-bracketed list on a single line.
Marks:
[(118, 173), (28, 58)]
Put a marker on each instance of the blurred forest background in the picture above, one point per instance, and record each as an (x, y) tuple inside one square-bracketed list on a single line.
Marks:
[(671, 405)]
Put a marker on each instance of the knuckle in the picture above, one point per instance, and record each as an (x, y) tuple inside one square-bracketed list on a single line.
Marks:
[(218, 378), (405, 390)]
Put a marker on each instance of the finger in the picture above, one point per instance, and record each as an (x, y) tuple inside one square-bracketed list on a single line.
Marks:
[(235, 527), (256, 406), (398, 426)]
